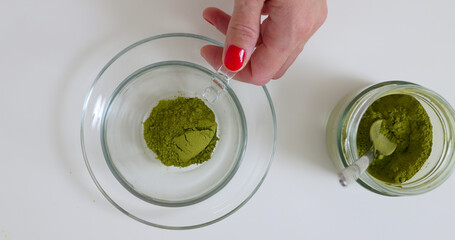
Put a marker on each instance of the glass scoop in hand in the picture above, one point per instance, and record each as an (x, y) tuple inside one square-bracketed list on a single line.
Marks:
[(380, 143)]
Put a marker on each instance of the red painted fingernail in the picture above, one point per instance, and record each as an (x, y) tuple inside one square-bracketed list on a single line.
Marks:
[(208, 21), (234, 58)]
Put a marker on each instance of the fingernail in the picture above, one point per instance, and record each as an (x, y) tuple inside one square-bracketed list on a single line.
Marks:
[(208, 21), (233, 60)]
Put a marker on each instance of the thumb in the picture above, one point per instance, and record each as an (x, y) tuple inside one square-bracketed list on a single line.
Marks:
[(242, 33)]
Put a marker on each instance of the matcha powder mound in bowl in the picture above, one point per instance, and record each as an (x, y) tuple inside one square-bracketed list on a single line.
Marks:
[(161, 152), (181, 131)]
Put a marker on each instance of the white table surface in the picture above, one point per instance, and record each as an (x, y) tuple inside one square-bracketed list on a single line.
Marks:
[(51, 50)]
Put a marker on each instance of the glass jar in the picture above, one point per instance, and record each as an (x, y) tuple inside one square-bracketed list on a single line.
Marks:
[(342, 136)]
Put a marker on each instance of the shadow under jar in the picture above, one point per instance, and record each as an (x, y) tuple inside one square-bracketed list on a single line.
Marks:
[(344, 121)]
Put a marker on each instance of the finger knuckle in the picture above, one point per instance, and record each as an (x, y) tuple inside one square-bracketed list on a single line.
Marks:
[(325, 11), (249, 3), (278, 76), (244, 31), (321, 14), (260, 80), (305, 27)]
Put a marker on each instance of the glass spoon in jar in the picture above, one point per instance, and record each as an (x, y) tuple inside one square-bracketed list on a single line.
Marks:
[(380, 143)]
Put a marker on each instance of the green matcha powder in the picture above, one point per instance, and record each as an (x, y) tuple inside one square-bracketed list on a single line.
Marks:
[(181, 131), (407, 124)]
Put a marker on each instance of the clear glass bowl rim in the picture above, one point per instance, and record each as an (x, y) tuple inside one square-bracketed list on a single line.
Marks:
[(87, 163)]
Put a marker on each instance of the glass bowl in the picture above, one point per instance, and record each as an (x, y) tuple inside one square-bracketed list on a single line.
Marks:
[(342, 137), (128, 174)]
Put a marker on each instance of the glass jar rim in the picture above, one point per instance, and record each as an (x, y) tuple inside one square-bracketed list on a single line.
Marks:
[(350, 119)]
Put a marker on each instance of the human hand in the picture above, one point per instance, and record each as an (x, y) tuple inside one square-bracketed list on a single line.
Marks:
[(261, 52)]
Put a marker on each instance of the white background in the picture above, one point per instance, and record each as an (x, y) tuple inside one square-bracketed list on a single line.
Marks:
[(51, 50)]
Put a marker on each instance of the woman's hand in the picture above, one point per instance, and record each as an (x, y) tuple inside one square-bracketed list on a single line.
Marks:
[(261, 52)]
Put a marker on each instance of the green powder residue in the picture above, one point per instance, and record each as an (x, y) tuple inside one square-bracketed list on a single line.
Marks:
[(407, 124), (181, 132)]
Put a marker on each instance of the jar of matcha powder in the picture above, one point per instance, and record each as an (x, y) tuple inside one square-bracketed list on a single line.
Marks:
[(419, 120)]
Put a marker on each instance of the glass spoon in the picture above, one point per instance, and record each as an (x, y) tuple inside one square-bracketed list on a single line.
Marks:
[(380, 143), (212, 93)]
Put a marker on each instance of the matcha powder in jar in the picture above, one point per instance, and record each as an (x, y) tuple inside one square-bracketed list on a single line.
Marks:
[(181, 131), (407, 124)]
